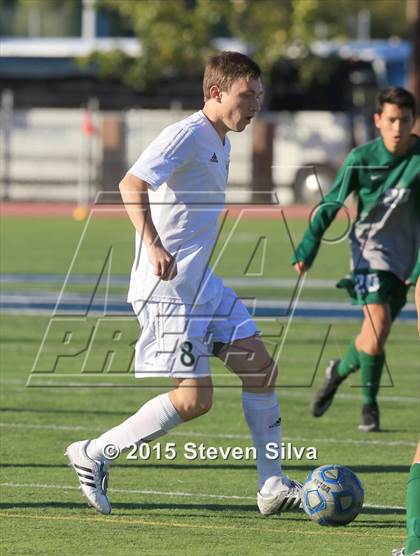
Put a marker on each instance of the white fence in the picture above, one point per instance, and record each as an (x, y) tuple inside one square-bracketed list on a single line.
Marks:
[(51, 154)]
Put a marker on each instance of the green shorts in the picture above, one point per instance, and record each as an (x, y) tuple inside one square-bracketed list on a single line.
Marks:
[(377, 287)]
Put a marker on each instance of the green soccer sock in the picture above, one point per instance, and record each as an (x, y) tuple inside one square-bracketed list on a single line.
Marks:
[(413, 510), (371, 370), (350, 361)]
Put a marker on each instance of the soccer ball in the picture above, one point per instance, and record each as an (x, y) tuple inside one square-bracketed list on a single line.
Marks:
[(332, 495)]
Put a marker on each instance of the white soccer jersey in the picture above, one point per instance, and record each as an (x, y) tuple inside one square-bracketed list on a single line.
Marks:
[(187, 169)]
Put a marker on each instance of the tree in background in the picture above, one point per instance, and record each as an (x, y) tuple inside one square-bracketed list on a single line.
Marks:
[(176, 35)]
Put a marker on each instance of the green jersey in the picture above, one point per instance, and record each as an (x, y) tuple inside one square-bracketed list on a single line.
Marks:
[(386, 232)]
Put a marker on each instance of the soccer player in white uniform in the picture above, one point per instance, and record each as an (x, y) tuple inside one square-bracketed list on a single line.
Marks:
[(174, 194)]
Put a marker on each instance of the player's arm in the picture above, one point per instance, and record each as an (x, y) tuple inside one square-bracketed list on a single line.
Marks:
[(324, 214), (415, 273), (134, 192)]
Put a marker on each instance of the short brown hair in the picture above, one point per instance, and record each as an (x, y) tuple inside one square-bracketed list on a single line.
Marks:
[(225, 68), (396, 95)]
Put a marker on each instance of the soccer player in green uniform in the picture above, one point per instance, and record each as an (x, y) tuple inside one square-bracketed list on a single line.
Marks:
[(412, 546), (384, 175)]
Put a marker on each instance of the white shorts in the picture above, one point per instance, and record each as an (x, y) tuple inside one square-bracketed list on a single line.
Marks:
[(177, 340)]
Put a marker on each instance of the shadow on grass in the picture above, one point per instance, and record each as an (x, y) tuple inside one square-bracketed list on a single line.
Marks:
[(382, 511), (211, 507), (135, 464), (134, 506), (381, 524)]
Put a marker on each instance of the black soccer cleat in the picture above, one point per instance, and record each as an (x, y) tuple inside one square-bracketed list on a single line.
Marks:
[(370, 418), (325, 395)]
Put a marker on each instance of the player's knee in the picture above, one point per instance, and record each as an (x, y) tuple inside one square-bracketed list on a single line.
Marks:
[(371, 343), (386, 332), (271, 373), (375, 329), (203, 406), (203, 401), (263, 380), (196, 402), (199, 407)]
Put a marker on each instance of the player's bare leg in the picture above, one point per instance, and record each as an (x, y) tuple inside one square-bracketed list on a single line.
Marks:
[(375, 329), (249, 359)]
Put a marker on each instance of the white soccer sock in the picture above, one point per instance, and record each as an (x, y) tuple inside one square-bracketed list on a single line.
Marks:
[(155, 418), (262, 413)]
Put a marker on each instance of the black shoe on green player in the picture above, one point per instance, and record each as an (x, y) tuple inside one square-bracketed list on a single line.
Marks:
[(370, 418), (325, 395)]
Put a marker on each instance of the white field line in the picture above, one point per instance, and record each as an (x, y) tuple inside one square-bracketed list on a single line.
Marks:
[(123, 281), (51, 297), (284, 392), (351, 316), (47, 427), (169, 493), (226, 436)]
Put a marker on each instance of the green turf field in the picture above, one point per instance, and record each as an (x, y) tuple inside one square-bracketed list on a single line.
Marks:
[(179, 506)]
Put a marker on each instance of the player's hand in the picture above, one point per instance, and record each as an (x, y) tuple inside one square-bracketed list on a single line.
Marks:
[(163, 263), (301, 268)]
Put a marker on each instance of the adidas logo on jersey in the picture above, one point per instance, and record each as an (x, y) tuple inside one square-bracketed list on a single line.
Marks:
[(214, 158)]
